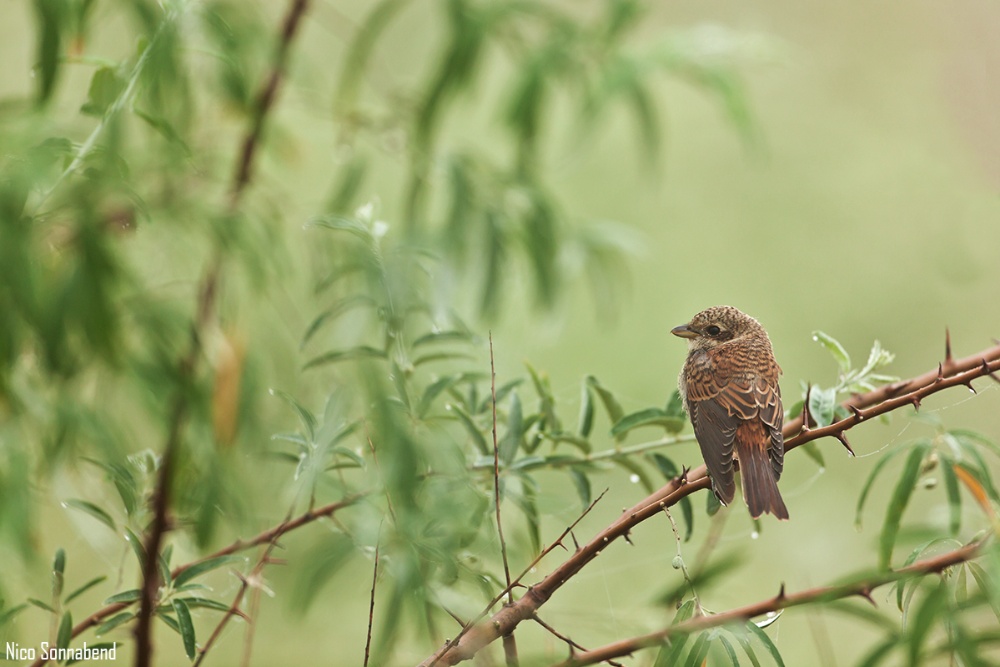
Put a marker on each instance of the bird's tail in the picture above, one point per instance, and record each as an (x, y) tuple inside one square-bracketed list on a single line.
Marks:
[(760, 483)]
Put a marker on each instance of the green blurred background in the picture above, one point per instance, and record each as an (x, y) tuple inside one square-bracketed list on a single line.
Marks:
[(864, 204)]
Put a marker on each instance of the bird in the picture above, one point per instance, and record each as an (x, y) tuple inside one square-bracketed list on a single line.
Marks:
[(729, 386)]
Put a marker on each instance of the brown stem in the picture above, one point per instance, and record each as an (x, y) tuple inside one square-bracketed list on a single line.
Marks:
[(864, 406), (862, 588)]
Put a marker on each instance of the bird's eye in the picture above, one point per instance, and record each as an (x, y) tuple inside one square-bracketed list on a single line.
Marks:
[(713, 330)]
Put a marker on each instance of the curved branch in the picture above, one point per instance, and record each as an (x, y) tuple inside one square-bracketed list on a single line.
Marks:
[(863, 406), (862, 588)]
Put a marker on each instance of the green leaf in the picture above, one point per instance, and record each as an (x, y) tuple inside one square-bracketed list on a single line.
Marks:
[(8, 614), (125, 596), (58, 572), (730, 651), (526, 502), (986, 587), (611, 404), (317, 567), (586, 421), (675, 406), (93, 510), (83, 589), (306, 418), (879, 653), (511, 440), (114, 622), (871, 479), (137, 547), (360, 352), (744, 641), (65, 631), (434, 390), (637, 470), (900, 498), (198, 569), (932, 607), (186, 627), (835, 348), (49, 14), (42, 605), (205, 603), (698, 652), (332, 313), (954, 498), (647, 417), (582, 484), (105, 86), (822, 403), (478, 439), (766, 641)]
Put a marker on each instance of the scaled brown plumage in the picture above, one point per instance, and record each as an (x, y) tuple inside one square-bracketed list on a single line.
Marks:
[(730, 390)]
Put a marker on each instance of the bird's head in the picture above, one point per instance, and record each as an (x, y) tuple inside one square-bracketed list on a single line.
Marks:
[(717, 325)]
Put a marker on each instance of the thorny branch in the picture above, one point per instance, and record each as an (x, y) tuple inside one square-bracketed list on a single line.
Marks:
[(780, 601), (864, 406), (186, 367), (264, 537)]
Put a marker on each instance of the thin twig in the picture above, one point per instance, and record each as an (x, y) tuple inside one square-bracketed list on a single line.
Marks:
[(253, 579), (862, 588), (496, 474), (573, 646), (877, 402), (509, 645), (371, 608)]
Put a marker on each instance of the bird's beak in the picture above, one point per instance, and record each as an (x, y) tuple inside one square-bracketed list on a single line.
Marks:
[(684, 331)]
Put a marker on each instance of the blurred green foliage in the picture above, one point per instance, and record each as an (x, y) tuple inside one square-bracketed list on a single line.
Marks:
[(116, 199)]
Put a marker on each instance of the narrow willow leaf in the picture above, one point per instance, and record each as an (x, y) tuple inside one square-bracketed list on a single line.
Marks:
[(444, 337), (65, 631), (511, 440), (871, 479), (137, 548), (83, 589), (766, 641), (647, 417), (586, 421), (58, 573), (611, 404), (687, 512), (186, 627), (42, 605), (698, 652), (582, 484), (432, 391), (8, 614), (863, 612), (49, 53), (332, 313), (114, 622), (834, 347), (336, 356), (306, 418), (317, 567), (638, 472), (580, 443), (878, 654), (526, 502), (206, 603), (730, 651), (125, 596), (932, 607), (986, 587), (900, 498), (204, 566), (744, 641), (93, 510), (954, 497), (478, 439)]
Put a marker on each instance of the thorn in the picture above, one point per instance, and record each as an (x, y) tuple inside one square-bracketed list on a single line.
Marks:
[(867, 594), (805, 409), (940, 376), (987, 371), (916, 403), (843, 440), (575, 543), (857, 412), (628, 539), (895, 388), (971, 388), (947, 347), (781, 592), (683, 479)]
